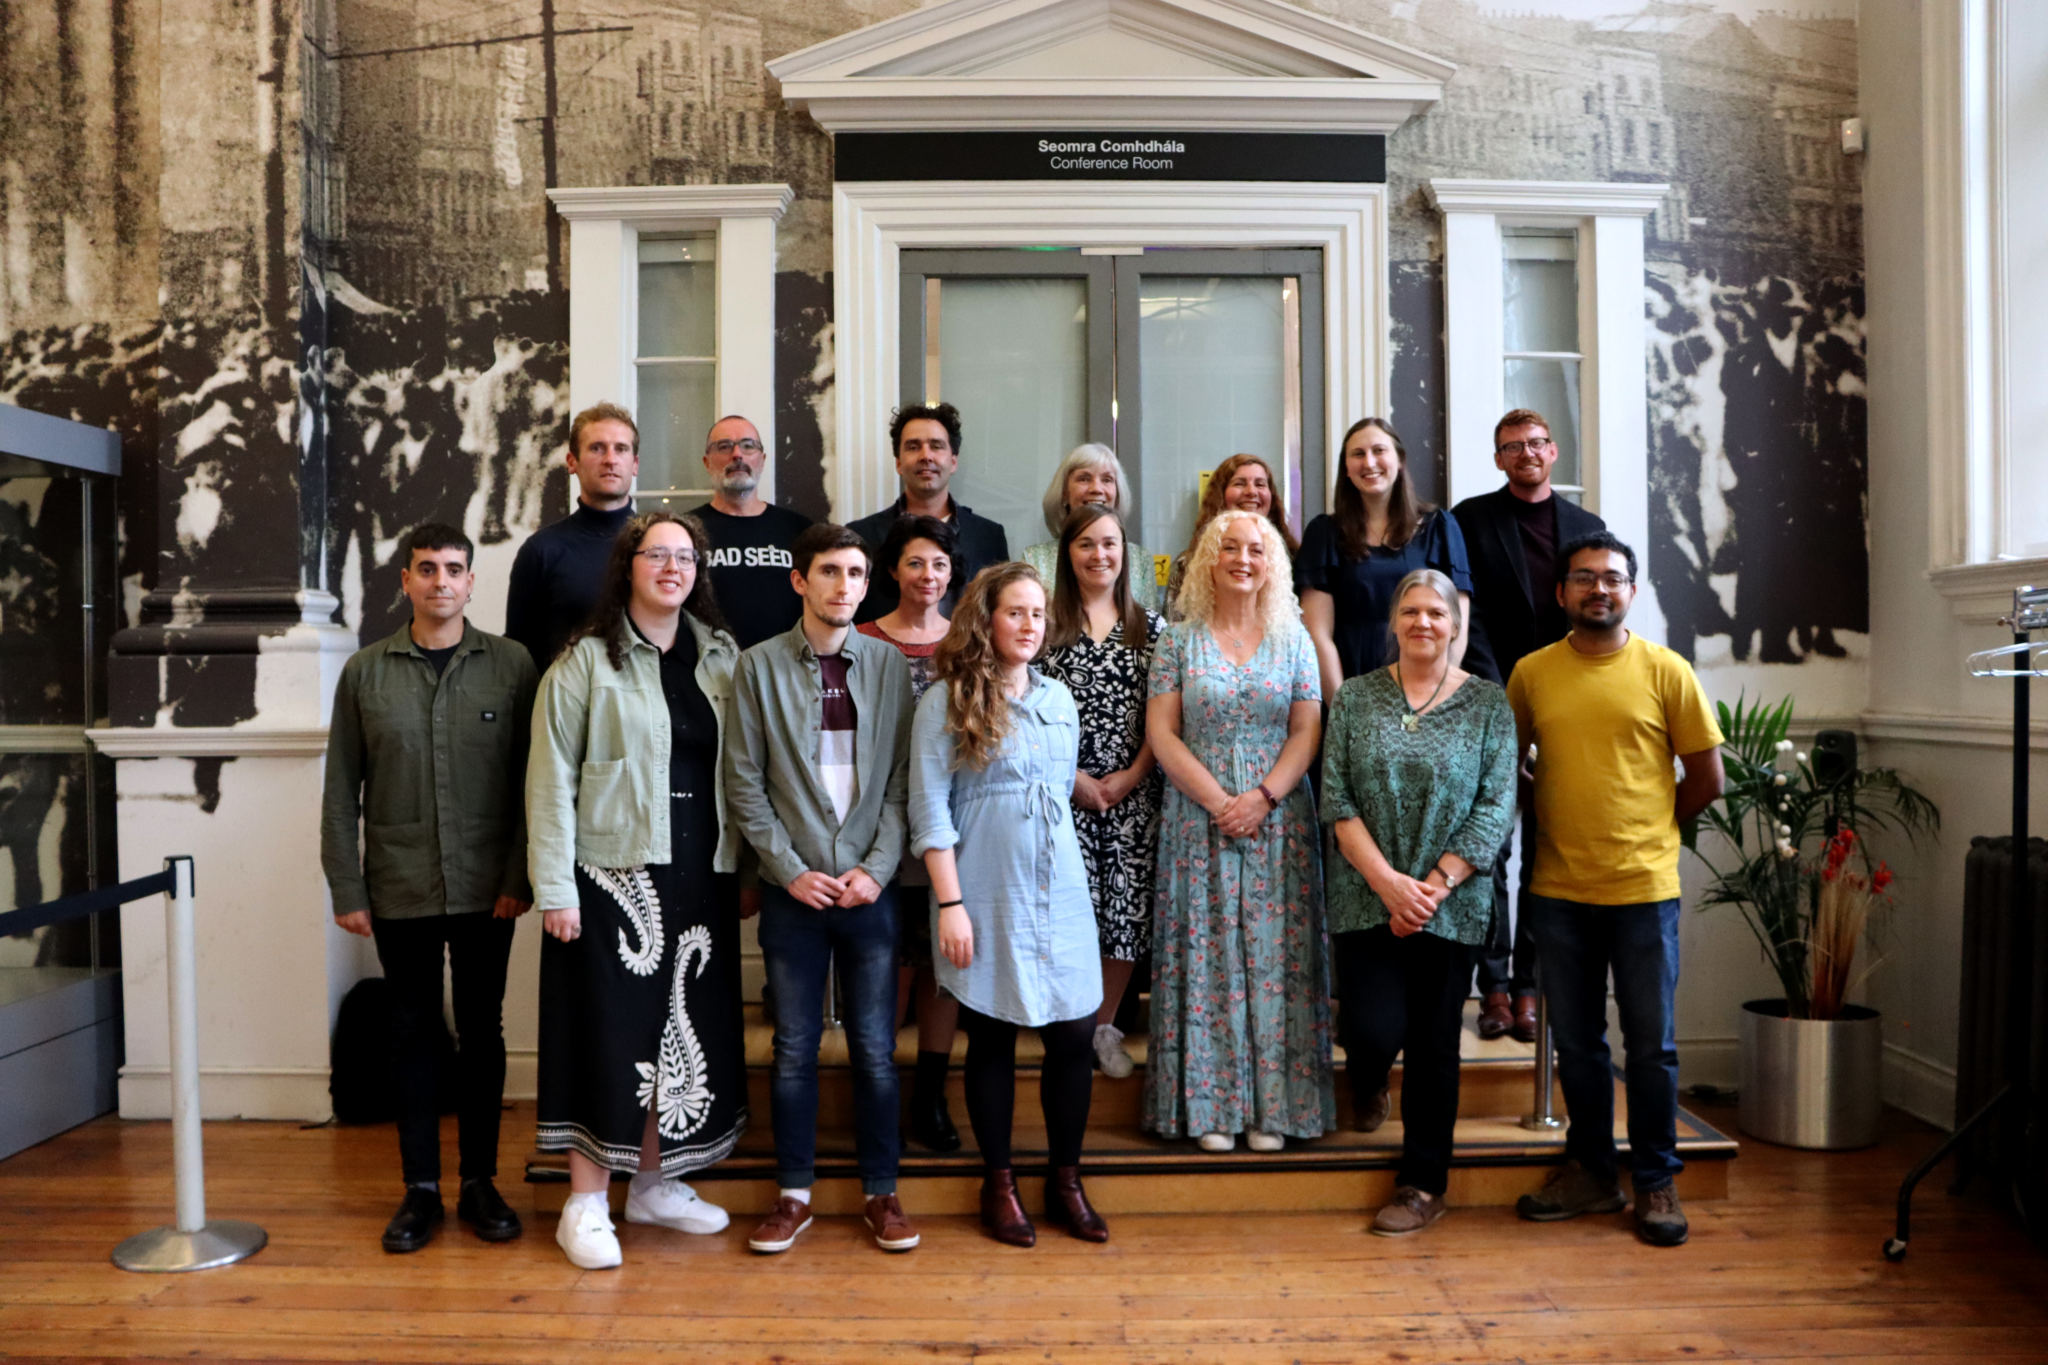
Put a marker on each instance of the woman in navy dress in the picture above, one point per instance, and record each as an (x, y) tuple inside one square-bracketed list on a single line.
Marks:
[(1353, 558)]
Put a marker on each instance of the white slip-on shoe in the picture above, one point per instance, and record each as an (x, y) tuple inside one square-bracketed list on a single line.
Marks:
[(584, 1232), (672, 1204), (1109, 1052), (1216, 1142), (1264, 1142)]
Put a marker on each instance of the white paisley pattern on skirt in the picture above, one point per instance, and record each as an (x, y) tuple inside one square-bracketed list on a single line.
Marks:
[(633, 889), (677, 1085)]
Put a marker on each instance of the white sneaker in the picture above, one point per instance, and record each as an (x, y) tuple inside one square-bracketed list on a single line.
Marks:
[(1109, 1052), (584, 1232), (1264, 1142), (1216, 1142), (672, 1204)]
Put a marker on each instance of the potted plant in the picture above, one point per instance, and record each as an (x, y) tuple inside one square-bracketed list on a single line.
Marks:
[(1794, 857)]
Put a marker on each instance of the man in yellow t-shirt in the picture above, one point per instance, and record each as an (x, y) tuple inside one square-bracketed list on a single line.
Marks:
[(1609, 713)]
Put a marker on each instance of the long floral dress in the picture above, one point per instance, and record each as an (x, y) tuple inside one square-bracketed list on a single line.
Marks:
[(1119, 845), (1240, 960)]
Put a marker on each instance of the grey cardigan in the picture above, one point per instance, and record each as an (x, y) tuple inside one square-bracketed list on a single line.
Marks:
[(778, 796), (597, 777)]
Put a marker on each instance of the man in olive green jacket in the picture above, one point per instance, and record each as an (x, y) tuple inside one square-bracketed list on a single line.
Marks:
[(428, 749)]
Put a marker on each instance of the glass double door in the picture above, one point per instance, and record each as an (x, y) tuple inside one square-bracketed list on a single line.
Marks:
[(1175, 359)]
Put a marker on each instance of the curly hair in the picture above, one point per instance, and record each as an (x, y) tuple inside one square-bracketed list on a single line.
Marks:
[(1219, 484), (608, 617), (1278, 611), (977, 712)]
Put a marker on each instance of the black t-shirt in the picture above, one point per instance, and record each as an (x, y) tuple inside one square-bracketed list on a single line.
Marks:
[(1538, 523), (439, 657), (750, 567)]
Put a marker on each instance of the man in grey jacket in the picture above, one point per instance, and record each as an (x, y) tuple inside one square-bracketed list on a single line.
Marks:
[(427, 748), (817, 776)]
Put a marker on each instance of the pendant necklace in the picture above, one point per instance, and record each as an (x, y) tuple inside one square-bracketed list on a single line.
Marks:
[(1413, 719)]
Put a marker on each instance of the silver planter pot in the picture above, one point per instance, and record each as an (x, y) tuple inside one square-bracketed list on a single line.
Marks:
[(1811, 1082)]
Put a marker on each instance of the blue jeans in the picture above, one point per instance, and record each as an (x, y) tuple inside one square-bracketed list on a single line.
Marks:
[(799, 945), (1577, 944)]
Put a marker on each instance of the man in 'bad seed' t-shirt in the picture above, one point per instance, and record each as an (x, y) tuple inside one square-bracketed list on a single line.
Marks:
[(1608, 713)]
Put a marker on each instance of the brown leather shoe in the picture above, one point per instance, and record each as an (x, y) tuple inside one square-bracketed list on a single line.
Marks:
[(1409, 1211), (1002, 1212), (1496, 1014), (1525, 1019), (1368, 1118), (779, 1231), (1067, 1206), (892, 1227)]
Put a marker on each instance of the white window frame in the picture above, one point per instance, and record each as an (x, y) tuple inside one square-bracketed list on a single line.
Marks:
[(1967, 158), (605, 226), (1614, 444)]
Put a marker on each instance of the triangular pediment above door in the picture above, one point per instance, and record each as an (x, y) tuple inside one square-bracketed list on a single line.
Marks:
[(1131, 64)]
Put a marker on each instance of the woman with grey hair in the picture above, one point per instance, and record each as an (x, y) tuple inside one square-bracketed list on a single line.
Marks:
[(1092, 473), (1419, 789)]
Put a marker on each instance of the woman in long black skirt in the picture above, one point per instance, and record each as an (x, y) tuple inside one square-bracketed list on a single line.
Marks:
[(642, 1065)]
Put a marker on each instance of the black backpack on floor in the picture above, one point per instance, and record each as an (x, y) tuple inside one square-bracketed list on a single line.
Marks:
[(359, 1062)]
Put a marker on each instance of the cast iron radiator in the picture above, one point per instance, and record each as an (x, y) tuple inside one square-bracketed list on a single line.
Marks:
[(2003, 1023)]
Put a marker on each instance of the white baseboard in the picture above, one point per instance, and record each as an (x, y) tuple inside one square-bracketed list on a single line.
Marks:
[(1925, 1089), (282, 1092), (1709, 1061), (522, 1073)]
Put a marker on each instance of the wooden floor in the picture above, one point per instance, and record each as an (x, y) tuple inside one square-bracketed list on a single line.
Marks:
[(1786, 1268)]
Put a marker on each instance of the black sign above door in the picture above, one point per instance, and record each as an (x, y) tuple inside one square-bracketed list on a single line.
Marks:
[(1354, 158)]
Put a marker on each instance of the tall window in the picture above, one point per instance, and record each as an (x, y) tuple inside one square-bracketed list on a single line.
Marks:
[(1542, 357), (677, 359)]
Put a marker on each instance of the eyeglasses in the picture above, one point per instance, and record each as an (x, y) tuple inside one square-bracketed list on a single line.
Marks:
[(746, 445), (1610, 582), (661, 557), (1539, 444)]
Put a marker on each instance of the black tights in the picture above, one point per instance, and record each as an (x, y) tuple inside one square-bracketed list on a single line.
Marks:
[(1065, 1085)]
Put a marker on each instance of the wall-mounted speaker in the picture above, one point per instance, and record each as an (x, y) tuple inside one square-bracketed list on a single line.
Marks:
[(1834, 757)]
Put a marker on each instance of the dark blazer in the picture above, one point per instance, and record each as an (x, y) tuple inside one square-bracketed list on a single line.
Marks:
[(982, 543), (1503, 627)]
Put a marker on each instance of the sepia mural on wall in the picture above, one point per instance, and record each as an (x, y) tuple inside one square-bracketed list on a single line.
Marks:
[(297, 252)]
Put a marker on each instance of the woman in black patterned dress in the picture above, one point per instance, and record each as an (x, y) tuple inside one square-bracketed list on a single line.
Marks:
[(1099, 643)]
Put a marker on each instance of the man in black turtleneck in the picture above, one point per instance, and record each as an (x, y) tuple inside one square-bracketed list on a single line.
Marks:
[(558, 571)]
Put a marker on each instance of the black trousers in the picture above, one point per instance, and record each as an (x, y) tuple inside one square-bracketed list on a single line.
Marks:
[(1406, 997), (479, 946), (1066, 1084), (1504, 967)]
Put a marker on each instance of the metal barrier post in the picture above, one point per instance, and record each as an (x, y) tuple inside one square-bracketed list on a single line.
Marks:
[(1543, 1119), (194, 1243)]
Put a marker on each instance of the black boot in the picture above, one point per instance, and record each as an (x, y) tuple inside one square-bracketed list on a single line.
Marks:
[(483, 1208), (412, 1227), (931, 1121)]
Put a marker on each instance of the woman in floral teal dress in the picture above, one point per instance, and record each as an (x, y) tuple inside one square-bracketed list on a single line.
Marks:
[(1240, 961)]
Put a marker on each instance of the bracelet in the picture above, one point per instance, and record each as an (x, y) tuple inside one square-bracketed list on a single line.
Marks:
[(1272, 801), (948, 905)]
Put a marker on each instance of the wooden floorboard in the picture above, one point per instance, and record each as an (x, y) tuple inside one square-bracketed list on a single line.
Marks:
[(1785, 1268)]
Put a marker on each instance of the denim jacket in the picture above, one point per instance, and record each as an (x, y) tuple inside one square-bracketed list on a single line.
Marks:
[(597, 780)]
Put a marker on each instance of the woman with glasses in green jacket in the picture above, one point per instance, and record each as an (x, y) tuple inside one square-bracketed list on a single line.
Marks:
[(642, 1065)]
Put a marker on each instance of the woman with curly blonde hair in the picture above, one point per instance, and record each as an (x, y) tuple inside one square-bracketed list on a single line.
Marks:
[(994, 750), (1240, 963)]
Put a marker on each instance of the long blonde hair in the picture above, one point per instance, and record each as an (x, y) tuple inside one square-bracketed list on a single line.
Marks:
[(1278, 611), (977, 711)]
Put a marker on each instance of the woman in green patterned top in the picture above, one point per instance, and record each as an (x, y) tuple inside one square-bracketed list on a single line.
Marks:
[(1419, 788)]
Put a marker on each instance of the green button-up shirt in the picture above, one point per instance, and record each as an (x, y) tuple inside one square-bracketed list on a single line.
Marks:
[(772, 775), (433, 769)]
